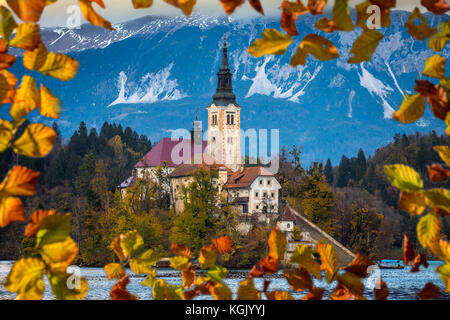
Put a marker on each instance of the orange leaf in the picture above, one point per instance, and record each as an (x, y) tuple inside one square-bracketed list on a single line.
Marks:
[(115, 245), (437, 173), (299, 279), (256, 4), (341, 292), (7, 90), (207, 257), (268, 265), (20, 181), (11, 210), (92, 16), (352, 282), (277, 244), (223, 244), (430, 291), (381, 290), (279, 295), (317, 6), (6, 60), (359, 266), (408, 250), (314, 294), (188, 277), (419, 31), (119, 290), (436, 6), (412, 202), (230, 5), (181, 250), (436, 97), (185, 5), (291, 10), (420, 259), (384, 4), (35, 220), (27, 10), (443, 213)]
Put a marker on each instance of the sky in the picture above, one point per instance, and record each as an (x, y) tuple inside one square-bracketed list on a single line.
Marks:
[(122, 10)]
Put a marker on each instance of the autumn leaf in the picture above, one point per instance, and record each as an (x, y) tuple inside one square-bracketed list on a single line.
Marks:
[(131, 243), (363, 15), (36, 142), (26, 279), (291, 10), (7, 23), (428, 229), (328, 257), (436, 96), (256, 4), (412, 202), (321, 48), (6, 60), (360, 266), (180, 262), (430, 291), (116, 247), (408, 250), (207, 257), (223, 244), (185, 5), (92, 16), (59, 255), (272, 42), (314, 294), (27, 36), (341, 18), (143, 262), (435, 67), (247, 290), (403, 177), (181, 250), (317, 6), (444, 272), (444, 153), (365, 45), (388, 4), (141, 4), (164, 291), (268, 265), (436, 6), (411, 109), (381, 290), (279, 295), (20, 181), (188, 276), (59, 282), (60, 66), (437, 173), (114, 271), (420, 259), (438, 41), (277, 244), (27, 10), (6, 134), (50, 106), (298, 279), (150, 279), (229, 6), (438, 199), (419, 31), (352, 282), (341, 292), (220, 291), (11, 210), (27, 98), (303, 255), (119, 290), (35, 59), (8, 82)]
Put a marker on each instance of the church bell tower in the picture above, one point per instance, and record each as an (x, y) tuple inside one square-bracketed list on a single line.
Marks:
[(224, 119)]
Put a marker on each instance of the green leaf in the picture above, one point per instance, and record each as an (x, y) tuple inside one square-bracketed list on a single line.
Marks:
[(365, 45), (403, 177), (217, 273), (131, 243), (272, 42), (53, 228), (180, 262), (429, 229), (164, 291), (7, 23), (435, 67), (341, 16), (143, 262), (64, 288), (412, 109), (150, 280)]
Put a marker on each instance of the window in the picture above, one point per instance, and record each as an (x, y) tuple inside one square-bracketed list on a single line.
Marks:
[(230, 140), (256, 194), (288, 225), (257, 207), (264, 194), (214, 119), (272, 207), (268, 182), (260, 182), (272, 195), (245, 208), (230, 119)]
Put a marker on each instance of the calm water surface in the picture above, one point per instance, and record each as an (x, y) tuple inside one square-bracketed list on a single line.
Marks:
[(402, 284)]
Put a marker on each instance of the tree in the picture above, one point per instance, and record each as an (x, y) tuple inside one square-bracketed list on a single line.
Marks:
[(328, 171), (343, 173)]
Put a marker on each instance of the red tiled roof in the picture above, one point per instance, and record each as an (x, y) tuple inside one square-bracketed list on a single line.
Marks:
[(208, 164), (161, 153), (245, 178), (287, 215)]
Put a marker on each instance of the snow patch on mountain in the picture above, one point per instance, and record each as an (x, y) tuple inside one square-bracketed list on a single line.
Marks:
[(151, 88)]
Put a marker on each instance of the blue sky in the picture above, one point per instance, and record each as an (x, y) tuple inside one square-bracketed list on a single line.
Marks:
[(122, 10)]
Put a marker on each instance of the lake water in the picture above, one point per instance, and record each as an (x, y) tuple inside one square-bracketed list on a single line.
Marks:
[(402, 284)]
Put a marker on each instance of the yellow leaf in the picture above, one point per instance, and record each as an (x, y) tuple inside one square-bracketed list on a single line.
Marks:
[(115, 246), (412, 109), (328, 259), (53, 228), (164, 291), (26, 279), (279, 295), (60, 66), (139, 4), (447, 123), (11, 210), (277, 244), (440, 249), (185, 5), (50, 105), (180, 262), (92, 16), (439, 40), (247, 290), (6, 134), (272, 42), (412, 202), (303, 255), (19, 181), (444, 153), (321, 48), (143, 262), (35, 221), (444, 272), (27, 36), (131, 243), (365, 45), (419, 31), (59, 255), (341, 16), (220, 291), (36, 142), (438, 198), (7, 23), (35, 59), (352, 282), (429, 229), (114, 271), (27, 10), (403, 177), (363, 15), (60, 280), (150, 280), (27, 98), (435, 67), (207, 257), (7, 90)]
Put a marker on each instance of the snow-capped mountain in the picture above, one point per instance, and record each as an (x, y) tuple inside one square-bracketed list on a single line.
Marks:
[(156, 73)]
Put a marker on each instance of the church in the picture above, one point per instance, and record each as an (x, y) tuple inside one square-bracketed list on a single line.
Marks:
[(253, 190)]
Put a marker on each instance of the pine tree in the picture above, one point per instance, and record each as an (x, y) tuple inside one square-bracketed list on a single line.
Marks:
[(329, 172), (343, 173)]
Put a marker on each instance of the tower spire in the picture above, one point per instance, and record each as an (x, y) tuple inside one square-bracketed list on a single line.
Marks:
[(224, 94)]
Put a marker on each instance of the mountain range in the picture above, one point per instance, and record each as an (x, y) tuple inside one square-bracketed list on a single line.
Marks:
[(156, 74)]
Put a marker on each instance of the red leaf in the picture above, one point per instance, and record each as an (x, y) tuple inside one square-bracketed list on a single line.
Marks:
[(438, 173), (256, 4), (436, 6), (430, 291), (120, 292), (408, 250)]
